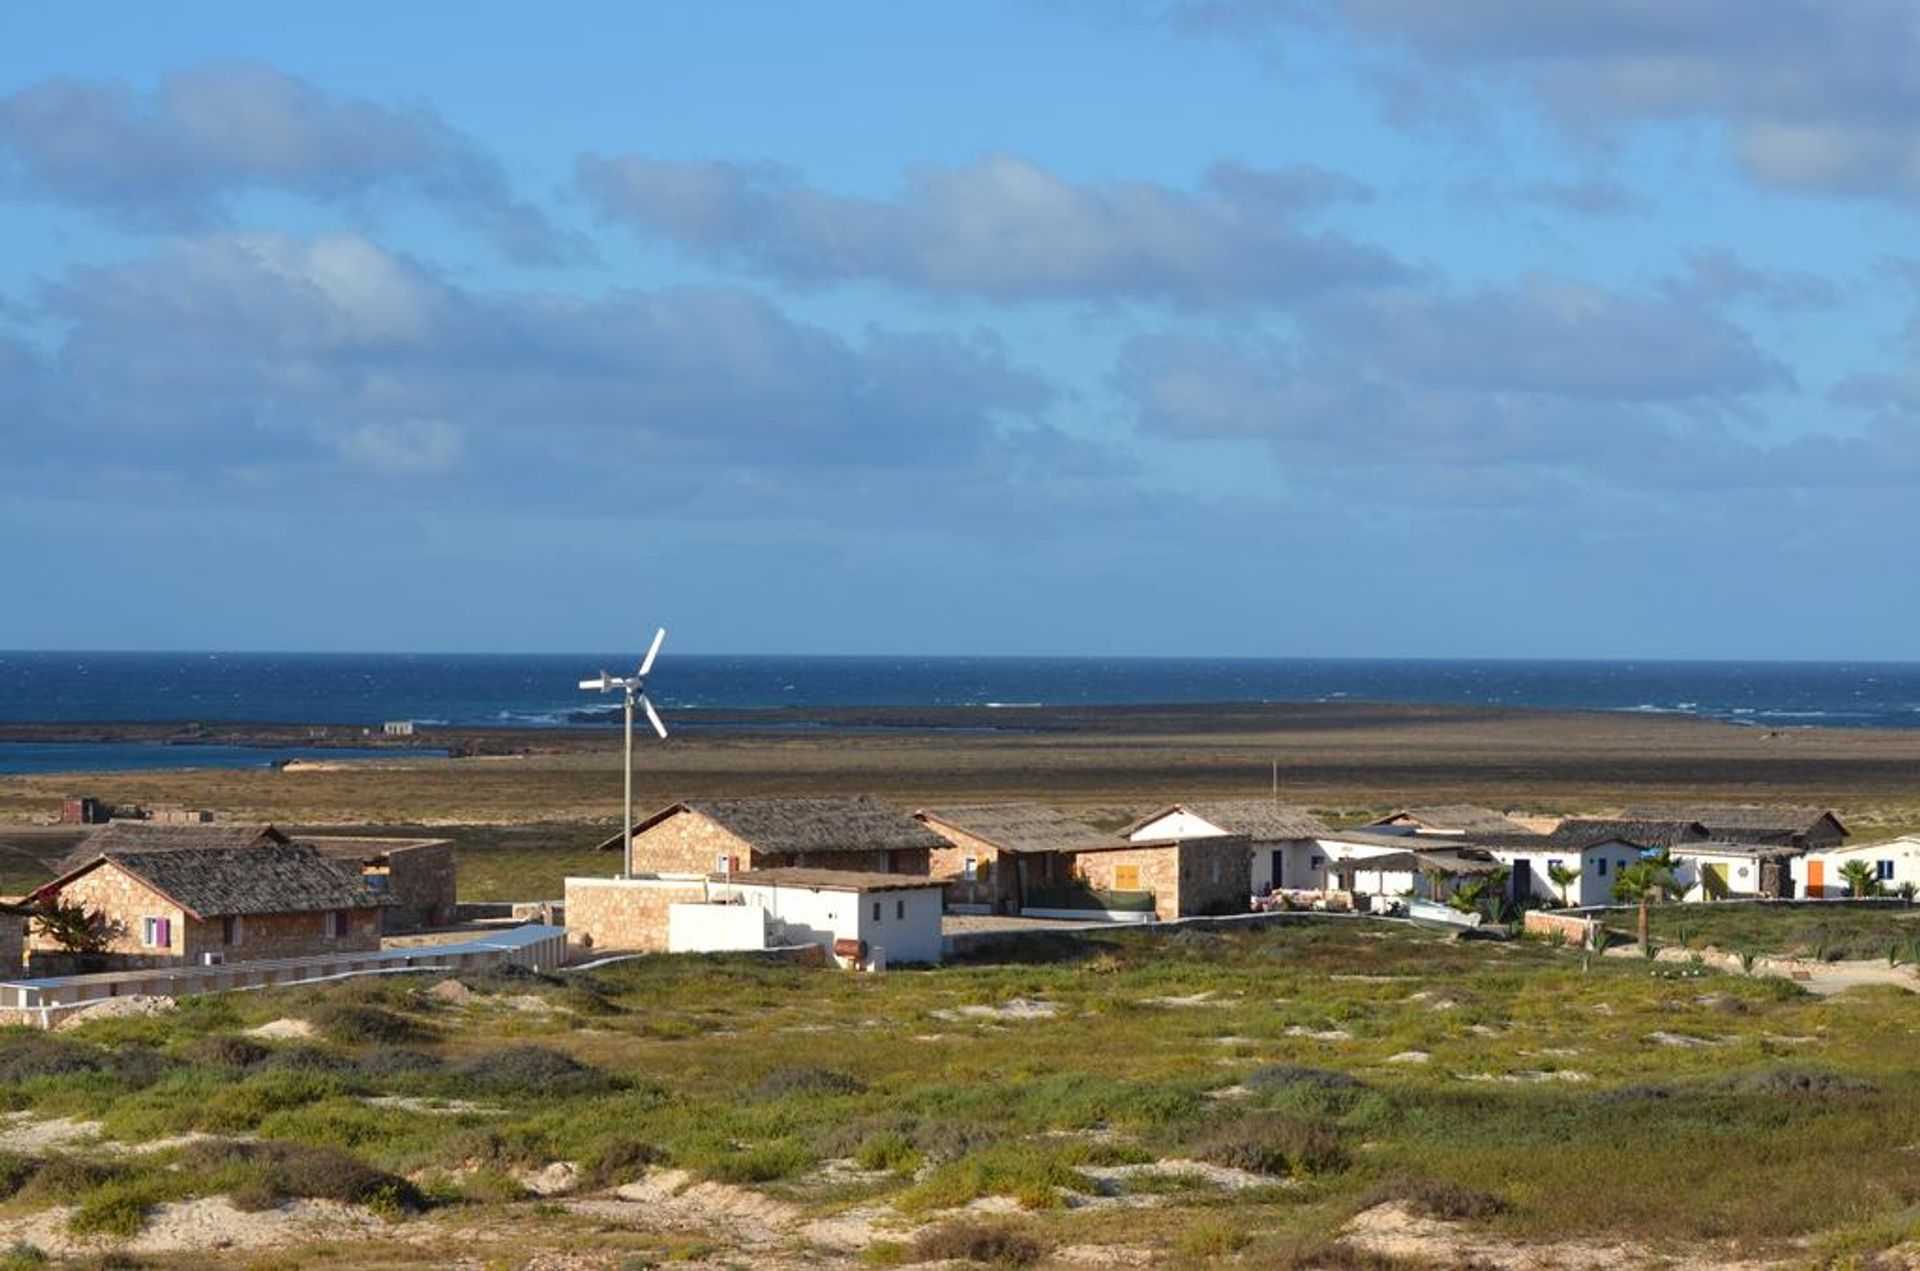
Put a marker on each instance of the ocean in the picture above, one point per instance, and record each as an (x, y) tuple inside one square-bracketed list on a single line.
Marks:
[(537, 690)]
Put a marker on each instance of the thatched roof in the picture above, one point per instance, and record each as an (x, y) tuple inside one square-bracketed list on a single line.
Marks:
[(267, 878), (366, 849), (1457, 818), (1261, 820), (1455, 864), (1582, 831), (1760, 851), (1745, 821), (831, 880), (798, 825), (116, 837), (1016, 827)]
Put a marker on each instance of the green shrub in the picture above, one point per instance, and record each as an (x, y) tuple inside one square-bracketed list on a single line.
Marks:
[(63, 1180), (528, 1072), (277, 1171), (15, 1171), (807, 1081), (614, 1159), (356, 1023), (1212, 1238), (892, 1152), (383, 1064), (225, 1050), (756, 1163), (1449, 1202), (1271, 1143), (1292, 1076), (19, 1256), (977, 1240), (120, 1206), (1032, 1175)]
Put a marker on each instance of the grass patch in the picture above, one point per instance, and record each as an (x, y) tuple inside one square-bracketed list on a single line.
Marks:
[(978, 1240)]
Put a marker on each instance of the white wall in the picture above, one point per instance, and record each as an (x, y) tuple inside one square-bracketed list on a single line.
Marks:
[(1598, 866), (908, 926), (1903, 852), (1176, 825), (1743, 872), (823, 916), (715, 928)]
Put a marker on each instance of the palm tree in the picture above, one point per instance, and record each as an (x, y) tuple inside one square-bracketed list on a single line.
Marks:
[(1563, 877), (1646, 880), (1861, 879)]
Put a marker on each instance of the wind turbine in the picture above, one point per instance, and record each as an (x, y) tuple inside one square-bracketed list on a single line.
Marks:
[(635, 688)]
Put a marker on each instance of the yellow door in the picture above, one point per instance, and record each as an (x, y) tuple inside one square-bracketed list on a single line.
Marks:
[(1715, 879)]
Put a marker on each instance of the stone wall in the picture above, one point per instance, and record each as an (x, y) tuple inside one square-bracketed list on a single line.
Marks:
[(689, 843), (994, 882), (422, 887), (1187, 879), (124, 903), (258, 937), (1575, 933), (13, 943), (625, 915)]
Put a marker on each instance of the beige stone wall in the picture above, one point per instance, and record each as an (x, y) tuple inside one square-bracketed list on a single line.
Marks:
[(624, 915), (13, 943), (264, 936), (994, 883), (422, 887), (1198, 876), (689, 843), (124, 902)]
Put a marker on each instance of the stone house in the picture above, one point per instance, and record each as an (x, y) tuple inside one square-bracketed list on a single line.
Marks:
[(15, 920), (194, 905), (717, 836), (150, 836), (1187, 878), (1285, 840), (1448, 819), (417, 878), (1809, 829), (995, 855)]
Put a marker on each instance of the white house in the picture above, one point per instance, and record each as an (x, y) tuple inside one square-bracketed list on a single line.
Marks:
[(1599, 863), (1732, 871), (864, 920), (1817, 874), (1284, 839)]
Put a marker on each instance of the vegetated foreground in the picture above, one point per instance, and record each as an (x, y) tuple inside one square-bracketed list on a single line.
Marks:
[(1310, 1092)]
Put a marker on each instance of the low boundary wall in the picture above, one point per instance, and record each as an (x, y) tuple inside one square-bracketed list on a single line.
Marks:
[(42, 1001), (1575, 932)]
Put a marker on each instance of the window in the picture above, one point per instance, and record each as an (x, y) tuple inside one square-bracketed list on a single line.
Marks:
[(970, 868), (1553, 864), (1126, 878), (339, 923), (876, 911), (1883, 870), (1601, 866), (900, 910), (1313, 863), (156, 933), (230, 929)]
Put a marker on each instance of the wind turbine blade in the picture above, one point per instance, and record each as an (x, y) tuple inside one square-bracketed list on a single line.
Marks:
[(653, 651), (653, 717), (600, 684)]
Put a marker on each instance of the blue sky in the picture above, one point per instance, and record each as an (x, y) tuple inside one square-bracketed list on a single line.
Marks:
[(1244, 327)]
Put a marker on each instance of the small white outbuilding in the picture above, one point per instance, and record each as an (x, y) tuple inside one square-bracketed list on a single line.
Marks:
[(861, 920), (1817, 875)]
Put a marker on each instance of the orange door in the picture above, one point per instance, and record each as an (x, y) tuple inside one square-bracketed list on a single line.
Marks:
[(1816, 879)]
